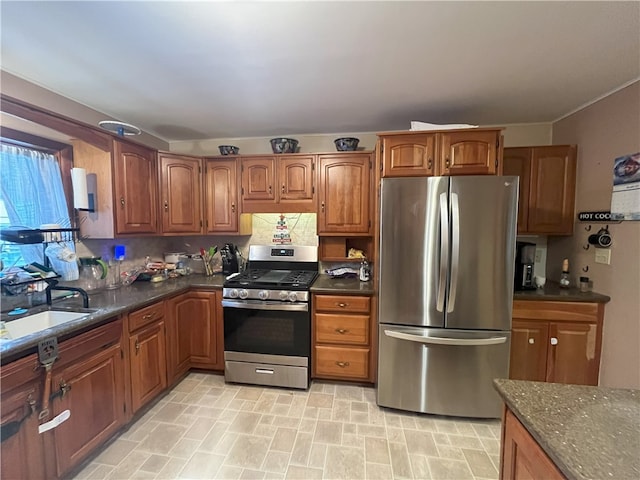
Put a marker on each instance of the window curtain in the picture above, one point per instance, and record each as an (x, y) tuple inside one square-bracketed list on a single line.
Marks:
[(32, 192)]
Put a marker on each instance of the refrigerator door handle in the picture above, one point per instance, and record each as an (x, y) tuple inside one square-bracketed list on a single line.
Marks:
[(455, 251), (445, 341), (444, 251)]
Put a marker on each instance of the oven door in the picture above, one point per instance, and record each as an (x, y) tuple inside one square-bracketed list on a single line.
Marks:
[(268, 328)]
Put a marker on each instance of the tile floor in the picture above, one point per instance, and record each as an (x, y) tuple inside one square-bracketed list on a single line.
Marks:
[(205, 429)]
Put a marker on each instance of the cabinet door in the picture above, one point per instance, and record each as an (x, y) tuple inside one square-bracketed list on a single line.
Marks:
[(221, 196), (572, 353), (148, 364), (258, 180), (469, 153), (517, 161), (295, 183), (21, 450), (344, 194), (408, 155), (92, 389), (180, 194), (528, 360), (552, 193), (135, 189)]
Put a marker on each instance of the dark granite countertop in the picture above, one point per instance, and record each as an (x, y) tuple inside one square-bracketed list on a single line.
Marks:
[(344, 286), (553, 292), (588, 432)]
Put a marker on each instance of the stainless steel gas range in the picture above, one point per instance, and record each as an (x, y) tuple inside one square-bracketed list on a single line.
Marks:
[(267, 317)]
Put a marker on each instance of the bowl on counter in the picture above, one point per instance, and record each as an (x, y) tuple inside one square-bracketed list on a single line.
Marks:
[(346, 144), (228, 149), (284, 145)]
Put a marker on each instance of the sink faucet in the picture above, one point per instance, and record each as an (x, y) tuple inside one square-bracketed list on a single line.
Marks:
[(53, 285)]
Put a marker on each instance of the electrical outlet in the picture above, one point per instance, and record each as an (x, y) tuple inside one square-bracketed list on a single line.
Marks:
[(603, 255), (538, 255)]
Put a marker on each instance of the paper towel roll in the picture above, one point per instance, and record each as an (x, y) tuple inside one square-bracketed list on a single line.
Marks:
[(79, 182)]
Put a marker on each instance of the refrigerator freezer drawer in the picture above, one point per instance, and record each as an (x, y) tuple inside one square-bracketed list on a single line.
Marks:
[(441, 371)]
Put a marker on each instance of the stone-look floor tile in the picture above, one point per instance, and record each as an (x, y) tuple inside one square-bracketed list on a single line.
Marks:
[(301, 449), (353, 441), (392, 420), (115, 452), (276, 462), (400, 461), (317, 455), (142, 475), (172, 469), (202, 465), (266, 419), (420, 442), (395, 435), (94, 471), (445, 469), (425, 423), (184, 448), (316, 387), (482, 430), (248, 474), (441, 438), (324, 413), (200, 429), (377, 450), (130, 465), (310, 412), (265, 430), (350, 428), (408, 422), (266, 402), (295, 472), (349, 392), (139, 431), (329, 388), (169, 412), (283, 440), (341, 411), (465, 442), (344, 463), (228, 472), (248, 406), (285, 399), (480, 463), (245, 422), (453, 453), (249, 393), (273, 476), (328, 432), (280, 409), (369, 394), (227, 442), (162, 438), (376, 471), (213, 438), (446, 426), (360, 417), (307, 425), (287, 422), (419, 466), (491, 446), (495, 459), (248, 452), (155, 463), (320, 400), (371, 431), (467, 430)]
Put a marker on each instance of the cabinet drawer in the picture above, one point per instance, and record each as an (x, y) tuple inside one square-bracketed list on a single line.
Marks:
[(145, 316), (336, 328), (342, 303), (89, 343), (342, 362)]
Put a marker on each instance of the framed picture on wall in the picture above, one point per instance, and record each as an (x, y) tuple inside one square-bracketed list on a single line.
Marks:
[(625, 199)]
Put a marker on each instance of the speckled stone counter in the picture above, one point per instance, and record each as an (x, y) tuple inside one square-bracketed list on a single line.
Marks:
[(553, 292), (588, 432), (344, 286), (104, 305)]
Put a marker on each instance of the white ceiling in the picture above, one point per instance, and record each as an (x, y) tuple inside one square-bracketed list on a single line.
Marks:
[(200, 70)]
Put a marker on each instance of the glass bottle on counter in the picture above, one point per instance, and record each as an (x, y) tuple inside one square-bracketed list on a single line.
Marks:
[(564, 276), (365, 272)]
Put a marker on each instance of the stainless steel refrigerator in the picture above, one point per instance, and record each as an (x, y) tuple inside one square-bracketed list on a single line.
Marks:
[(447, 252)]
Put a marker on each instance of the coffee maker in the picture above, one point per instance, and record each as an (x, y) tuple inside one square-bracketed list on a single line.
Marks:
[(229, 254), (525, 259)]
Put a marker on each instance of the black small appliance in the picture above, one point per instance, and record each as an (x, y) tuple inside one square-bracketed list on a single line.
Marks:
[(230, 263), (525, 259)]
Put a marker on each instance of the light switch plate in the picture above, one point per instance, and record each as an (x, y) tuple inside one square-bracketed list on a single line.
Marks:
[(538, 255), (603, 255)]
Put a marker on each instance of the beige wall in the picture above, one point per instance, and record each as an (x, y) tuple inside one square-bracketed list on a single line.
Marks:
[(604, 131)]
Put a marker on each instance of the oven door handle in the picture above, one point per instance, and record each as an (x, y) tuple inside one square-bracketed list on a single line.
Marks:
[(283, 307)]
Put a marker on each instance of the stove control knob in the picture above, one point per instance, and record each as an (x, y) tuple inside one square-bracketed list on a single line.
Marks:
[(243, 294), (233, 293), (284, 295), (263, 294), (293, 296)]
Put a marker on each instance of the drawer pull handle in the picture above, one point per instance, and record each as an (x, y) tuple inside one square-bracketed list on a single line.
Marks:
[(342, 364), (149, 316), (264, 370), (64, 388), (341, 331), (343, 305), (532, 341)]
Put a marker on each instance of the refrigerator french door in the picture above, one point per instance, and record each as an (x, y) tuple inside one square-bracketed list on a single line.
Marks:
[(447, 252)]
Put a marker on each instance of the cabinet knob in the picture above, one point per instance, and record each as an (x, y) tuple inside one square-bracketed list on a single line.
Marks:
[(554, 341), (64, 388), (137, 346), (532, 341), (269, 189), (282, 188), (322, 207), (122, 201), (341, 331), (342, 305), (342, 364), (446, 162), (430, 163), (166, 206), (233, 208)]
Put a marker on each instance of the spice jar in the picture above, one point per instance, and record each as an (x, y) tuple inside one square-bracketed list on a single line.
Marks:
[(584, 284)]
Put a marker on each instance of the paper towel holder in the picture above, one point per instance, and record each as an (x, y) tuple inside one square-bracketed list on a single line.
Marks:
[(84, 189)]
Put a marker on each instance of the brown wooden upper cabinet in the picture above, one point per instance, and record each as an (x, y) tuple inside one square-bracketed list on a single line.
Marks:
[(278, 183), (344, 194), (547, 187), (180, 194), (221, 198), (451, 152)]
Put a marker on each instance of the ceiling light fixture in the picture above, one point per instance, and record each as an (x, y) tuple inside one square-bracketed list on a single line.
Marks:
[(120, 128)]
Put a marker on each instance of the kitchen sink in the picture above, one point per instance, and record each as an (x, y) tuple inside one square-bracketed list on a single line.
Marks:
[(39, 321)]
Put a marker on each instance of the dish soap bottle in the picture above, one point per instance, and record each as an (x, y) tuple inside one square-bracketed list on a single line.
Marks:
[(564, 276)]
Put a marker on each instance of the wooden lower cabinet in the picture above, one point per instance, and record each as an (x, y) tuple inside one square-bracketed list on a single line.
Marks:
[(148, 364), (89, 382), (522, 458), (22, 447), (556, 341), (341, 337), (194, 333)]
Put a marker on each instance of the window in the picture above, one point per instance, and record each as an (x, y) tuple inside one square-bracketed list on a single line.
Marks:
[(32, 194)]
